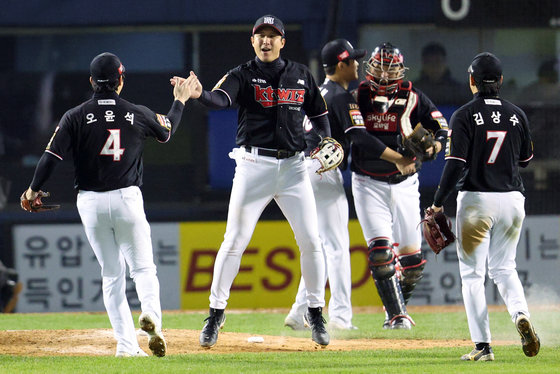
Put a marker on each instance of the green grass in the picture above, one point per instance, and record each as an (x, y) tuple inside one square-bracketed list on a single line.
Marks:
[(450, 325)]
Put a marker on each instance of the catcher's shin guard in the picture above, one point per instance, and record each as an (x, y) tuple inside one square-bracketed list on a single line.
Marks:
[(381, 259), (412, 267)]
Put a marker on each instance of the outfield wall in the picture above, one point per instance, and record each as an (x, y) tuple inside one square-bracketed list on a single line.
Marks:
[(60, 273)]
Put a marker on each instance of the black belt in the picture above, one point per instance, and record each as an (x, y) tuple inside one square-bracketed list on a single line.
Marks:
[(278, 153), (391, 179)]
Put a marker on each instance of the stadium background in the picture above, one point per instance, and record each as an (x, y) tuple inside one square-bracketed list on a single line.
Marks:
[(44, 63)]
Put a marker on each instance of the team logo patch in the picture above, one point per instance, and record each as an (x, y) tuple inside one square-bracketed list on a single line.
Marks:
[(269, 97), (356, 116), (381, 122), (164, 121), (436, 114)]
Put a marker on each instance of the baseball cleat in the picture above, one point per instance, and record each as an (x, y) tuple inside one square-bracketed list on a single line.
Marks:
[(401, 323), (156, 341), (485, 354), (214, 322), (140, 353), (294, 323), (313, 319), (529, 339)]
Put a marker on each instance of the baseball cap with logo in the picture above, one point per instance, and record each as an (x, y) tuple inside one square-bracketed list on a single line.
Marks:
[(485, 68), (340, 49), (106, 67), (269, 20)]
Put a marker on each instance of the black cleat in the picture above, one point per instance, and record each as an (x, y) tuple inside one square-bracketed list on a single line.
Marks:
[(529, 339), (314, 320), (214, 322)]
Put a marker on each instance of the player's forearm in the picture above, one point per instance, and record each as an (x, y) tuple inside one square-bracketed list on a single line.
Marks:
[(43, 171), (214, 99), (321, 125), (174, 115), (452, 172)]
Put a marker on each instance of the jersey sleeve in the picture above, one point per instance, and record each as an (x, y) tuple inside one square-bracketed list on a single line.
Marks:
[(156, 125), (429, 115), (230, 85), (347, 112), (458, 138), (60, 144), (314, 103), (526, 153)]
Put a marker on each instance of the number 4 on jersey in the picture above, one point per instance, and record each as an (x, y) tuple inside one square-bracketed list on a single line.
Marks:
[(112, 146)]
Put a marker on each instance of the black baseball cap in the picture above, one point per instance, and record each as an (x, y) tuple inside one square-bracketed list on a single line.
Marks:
[(269, 20), (485, 68), (337, 50), (106, 67)]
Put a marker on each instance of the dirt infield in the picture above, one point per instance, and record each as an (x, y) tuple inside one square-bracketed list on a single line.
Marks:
[(100, 342)]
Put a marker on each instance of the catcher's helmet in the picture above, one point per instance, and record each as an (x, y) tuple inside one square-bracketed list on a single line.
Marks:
[(385, 69)]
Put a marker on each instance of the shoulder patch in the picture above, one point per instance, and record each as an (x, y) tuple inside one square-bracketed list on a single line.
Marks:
[(164, 121), (356, 116)]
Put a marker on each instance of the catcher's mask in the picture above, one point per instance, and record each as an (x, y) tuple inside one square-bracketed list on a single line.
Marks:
[(385, 69)]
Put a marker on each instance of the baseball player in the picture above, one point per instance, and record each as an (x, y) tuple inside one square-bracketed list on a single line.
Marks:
[(272, 94), (9, 288), (386, 199), (105, 137), (341, 68), (489, 139)]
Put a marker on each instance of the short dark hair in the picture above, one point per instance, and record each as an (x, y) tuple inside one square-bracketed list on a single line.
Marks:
[(330, 70), (433, 49), (105, 86), (489, 88)]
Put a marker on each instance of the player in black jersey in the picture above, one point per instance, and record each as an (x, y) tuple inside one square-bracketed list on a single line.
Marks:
[(272, 94), (341, 68), (105, 137), (388, 201), (489, 139)]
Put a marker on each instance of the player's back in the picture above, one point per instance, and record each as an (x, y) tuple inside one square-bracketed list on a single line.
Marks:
[(106, 138), (492, 136)]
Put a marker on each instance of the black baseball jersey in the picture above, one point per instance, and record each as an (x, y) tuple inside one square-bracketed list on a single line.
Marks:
[(408, 107), (105, 137), (491, 135), (344, 115), (272, 108)]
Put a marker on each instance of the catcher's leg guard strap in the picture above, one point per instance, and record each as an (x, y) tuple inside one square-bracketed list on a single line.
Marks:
[(391, 295), (381, 258), (412, 267)]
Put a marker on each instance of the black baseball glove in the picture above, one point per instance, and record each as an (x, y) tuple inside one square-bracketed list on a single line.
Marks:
[(418, 143)]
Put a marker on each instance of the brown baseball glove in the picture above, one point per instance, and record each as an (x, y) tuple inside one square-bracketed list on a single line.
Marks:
[(436, 227), (329, 153), (419, 143), (31, 201)]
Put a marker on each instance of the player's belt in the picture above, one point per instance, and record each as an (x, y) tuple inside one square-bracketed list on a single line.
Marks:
[(277, 153)]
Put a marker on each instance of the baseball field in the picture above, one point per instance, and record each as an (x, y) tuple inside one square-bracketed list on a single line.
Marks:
[(83, 343)]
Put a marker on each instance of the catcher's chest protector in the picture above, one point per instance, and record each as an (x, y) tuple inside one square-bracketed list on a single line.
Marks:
[(387, 116)]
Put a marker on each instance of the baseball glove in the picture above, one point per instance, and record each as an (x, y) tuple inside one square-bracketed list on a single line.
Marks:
[(418, 143), (31, 201), (329, 153), (436, 227)]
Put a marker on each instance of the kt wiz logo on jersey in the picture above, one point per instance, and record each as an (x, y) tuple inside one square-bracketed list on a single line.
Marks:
[(269, 97)]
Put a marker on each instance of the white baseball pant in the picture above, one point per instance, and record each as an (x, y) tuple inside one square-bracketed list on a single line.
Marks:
[(389, 210), (488, 229), (258, 180), (119, 234), (332, 213)]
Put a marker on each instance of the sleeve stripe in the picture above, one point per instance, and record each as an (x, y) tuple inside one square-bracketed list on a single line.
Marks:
[(529, 159), (354, 127), (54, 154), (455, 158), (320, 115), (229, 98)]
